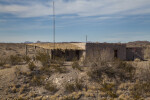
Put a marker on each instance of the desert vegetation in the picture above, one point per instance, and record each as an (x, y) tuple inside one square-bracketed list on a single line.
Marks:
[(41, 78)]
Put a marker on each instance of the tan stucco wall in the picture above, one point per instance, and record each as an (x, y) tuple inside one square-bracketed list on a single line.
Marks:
[(94, 49)]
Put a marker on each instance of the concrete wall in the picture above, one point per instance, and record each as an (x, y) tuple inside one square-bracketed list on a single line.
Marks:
[(98, 49), (134, 52)]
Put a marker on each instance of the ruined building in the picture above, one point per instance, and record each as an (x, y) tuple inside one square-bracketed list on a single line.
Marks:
[(80, 51)]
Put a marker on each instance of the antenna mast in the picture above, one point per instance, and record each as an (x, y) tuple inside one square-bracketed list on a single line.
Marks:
[(54, 23), (54, 27), (86, 38)]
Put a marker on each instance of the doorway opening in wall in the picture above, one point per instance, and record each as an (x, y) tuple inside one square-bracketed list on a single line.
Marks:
[(77, 54), (115, 53)]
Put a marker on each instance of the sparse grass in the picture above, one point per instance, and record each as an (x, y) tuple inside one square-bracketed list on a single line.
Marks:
[(20, 98), (69, 98), (50, 87)]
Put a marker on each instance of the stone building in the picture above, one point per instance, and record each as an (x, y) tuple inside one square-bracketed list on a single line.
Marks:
[(134, 52), (80, 51), (107, 50)]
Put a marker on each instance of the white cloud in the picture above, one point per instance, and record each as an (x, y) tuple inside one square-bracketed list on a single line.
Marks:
[(82, 8)]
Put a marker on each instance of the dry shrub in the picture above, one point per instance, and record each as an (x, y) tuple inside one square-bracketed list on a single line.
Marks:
[(26, 58), (44, 58), (58, 60), (46, 70), (18, 71), (78, 84), (116, 70), (50, 87), (110, 89), (69, 98), (147, 53), (58, 68), (37, 80), (31, 66), (13, 88), (3, 61), (144, 74), (76, 65), (126, 71), (140, 89), (15, 59), (20, 98), (71, 87), (22, 89), (99, 59)]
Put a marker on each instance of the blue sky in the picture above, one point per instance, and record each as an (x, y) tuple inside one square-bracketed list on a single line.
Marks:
[(100, 20)]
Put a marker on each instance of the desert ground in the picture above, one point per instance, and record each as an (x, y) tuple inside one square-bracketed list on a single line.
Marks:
[(37, 77)]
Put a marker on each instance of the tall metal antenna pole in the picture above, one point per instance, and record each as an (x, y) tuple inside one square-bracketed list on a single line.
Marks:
[(54, 26), (86, 38)]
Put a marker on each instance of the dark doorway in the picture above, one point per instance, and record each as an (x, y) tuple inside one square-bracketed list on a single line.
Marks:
[(116, 53), (78, 54)]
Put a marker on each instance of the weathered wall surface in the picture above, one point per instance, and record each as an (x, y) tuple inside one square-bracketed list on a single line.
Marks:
[(98, 49), (134, 52)]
